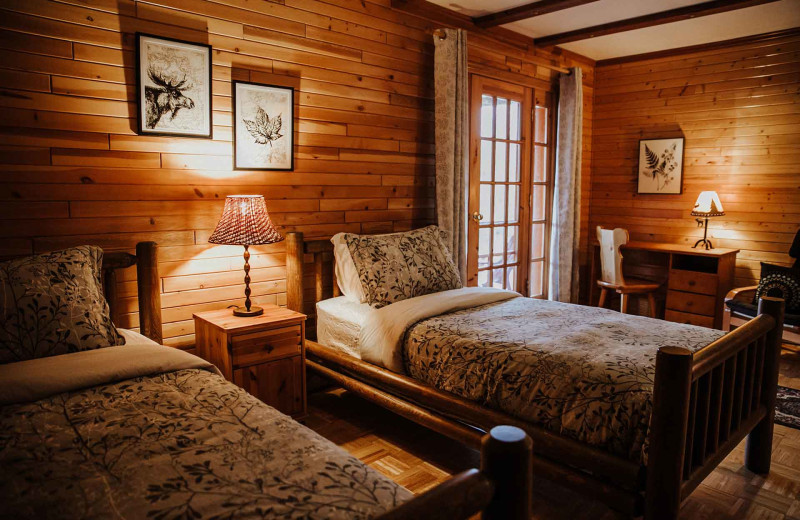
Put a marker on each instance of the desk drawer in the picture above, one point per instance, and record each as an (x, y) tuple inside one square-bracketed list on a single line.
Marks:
[(265, 345), (693, 281), (691, 303), (691, 319)]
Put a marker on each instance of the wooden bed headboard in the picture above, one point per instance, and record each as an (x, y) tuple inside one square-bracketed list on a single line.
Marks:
[(318, 253), (148, 286)]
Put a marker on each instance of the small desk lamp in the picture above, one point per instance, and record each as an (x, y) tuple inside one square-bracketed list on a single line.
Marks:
[(707, 205), (245, 222)]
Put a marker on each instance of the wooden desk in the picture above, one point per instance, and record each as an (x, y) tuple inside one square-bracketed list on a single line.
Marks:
[(697, 280)]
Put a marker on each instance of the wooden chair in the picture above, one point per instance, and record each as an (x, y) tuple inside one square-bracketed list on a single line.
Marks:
[(739, 306), (611, 276)]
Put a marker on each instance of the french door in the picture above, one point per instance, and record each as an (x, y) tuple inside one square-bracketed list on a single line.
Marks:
[(509, 186)]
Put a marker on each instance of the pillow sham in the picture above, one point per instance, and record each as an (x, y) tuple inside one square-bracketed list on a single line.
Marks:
[(346, 275), (399, 266), (780, 282), (53, 304)]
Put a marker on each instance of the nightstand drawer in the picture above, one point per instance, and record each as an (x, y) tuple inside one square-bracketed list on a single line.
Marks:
[(691, 302), (265, 345), (693, 281)]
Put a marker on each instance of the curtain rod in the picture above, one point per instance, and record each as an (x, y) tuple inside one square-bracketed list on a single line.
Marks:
[(439, 33)]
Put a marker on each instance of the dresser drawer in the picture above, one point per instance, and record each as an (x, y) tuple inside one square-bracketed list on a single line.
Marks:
[(265, 345), (691, 303), (693, 281), (691, 319)]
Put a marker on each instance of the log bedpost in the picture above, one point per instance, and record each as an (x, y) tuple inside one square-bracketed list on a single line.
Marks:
[(670, 417), (149, 285), (294, 271), (507, 459), (758, 450)]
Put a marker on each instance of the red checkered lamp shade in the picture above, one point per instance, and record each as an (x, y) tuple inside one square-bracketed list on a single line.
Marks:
[(245, 222)]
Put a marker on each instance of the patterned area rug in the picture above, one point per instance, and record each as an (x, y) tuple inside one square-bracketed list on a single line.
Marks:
[(787, 409)]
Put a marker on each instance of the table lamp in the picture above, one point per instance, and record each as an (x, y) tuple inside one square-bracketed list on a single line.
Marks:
[(707, 205), (245, 222)]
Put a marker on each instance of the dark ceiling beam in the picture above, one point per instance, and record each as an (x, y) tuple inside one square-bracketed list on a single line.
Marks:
[(526, 11), (648, 20)]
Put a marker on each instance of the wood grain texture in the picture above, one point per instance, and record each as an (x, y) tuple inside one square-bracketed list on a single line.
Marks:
[(74, 171), (737, 108)]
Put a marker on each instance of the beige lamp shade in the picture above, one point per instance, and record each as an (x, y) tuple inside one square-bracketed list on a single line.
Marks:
[(245, 222), (708, 205)]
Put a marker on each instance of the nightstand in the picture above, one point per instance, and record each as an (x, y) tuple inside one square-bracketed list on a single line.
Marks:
[(263, 354)]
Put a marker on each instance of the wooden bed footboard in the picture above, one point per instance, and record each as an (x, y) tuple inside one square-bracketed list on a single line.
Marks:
[(500, 490), (704, 404)]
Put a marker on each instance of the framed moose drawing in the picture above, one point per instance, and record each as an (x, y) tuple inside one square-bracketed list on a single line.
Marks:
[(173, 80), (263, 127)]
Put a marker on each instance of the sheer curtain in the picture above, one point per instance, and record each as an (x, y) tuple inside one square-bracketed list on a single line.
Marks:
[(452, 139), (565, 229)]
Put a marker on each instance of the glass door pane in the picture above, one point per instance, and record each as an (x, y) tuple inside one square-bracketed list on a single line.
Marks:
[(499, 188), (539, 197)]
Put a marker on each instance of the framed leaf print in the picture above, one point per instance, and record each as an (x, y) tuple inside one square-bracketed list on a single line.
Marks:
[(661, 166), (263, 127), (173, 79)]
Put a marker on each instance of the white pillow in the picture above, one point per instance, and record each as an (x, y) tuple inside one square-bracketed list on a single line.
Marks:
[(345, 270)]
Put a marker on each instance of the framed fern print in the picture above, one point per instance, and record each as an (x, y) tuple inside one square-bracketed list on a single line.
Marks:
[(263, 127), (661, 166)]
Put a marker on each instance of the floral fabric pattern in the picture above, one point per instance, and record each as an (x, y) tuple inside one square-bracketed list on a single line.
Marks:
[(583, 372), (183, 444), (399, 266), (53, 304)]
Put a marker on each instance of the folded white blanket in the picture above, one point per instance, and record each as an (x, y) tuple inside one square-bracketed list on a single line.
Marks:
[(26, 381), (383, 329)]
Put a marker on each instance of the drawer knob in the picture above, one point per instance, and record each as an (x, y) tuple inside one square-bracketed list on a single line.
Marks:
[(269, 348), (691, 283)]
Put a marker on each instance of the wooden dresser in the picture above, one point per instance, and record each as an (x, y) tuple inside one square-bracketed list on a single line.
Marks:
[(697, 280), (264, 354)]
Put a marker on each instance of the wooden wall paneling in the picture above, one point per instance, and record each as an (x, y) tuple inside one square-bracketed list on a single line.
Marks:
[(738, 108), (74, 171)]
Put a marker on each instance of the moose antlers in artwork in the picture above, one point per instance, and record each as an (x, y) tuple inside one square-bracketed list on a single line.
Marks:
[(167, 96)]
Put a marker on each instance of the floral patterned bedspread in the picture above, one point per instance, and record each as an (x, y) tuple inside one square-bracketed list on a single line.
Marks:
[(583, 372), (182, 444)]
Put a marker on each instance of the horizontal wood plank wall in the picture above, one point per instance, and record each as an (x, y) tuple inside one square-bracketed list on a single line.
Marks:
[(738, 109), (73, 170)]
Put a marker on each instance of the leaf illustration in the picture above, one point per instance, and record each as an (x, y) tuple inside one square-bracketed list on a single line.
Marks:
[(263, 129), (652, 159)]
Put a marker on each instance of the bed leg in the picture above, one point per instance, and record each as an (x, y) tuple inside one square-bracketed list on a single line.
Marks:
[(507, 459), (671, 393), (758, 450)]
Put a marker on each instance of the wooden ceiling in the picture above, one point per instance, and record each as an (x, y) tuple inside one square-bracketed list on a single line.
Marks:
[(602, 29)]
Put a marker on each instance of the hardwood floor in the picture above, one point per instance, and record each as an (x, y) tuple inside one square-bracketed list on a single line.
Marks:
[(419, 459)]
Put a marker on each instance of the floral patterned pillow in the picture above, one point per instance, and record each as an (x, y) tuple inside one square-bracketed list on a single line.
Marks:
[(53, 304), (399, 266)]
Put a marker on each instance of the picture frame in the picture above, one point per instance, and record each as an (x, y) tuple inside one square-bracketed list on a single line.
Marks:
[(660, 168), (262, 140), (173, 87)]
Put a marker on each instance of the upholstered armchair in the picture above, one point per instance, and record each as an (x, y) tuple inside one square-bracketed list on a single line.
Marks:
[(741, 304)]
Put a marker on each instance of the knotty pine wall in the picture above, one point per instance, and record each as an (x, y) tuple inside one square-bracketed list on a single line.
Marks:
[(738, 109), (73, 171)]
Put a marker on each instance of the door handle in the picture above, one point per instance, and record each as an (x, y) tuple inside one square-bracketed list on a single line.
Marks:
[(477, 217)]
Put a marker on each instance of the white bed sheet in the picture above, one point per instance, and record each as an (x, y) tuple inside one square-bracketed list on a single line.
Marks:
[(339, 324), (134, 338)]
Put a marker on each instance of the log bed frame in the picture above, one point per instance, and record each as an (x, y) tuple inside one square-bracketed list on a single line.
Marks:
[(499, 490), (704, 404)]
